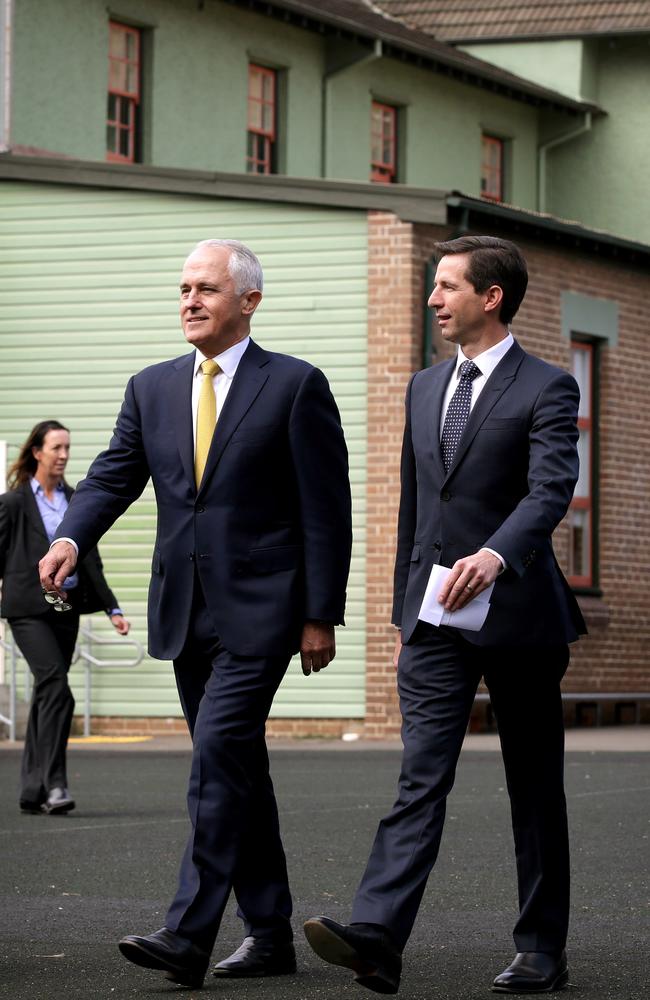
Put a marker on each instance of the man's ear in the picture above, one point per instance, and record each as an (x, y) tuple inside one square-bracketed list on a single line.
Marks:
[(250, 301), (493, 298)]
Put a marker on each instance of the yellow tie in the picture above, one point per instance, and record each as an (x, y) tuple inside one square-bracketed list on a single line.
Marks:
[(206, 418)]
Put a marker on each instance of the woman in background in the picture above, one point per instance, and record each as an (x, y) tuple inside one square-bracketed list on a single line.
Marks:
[(44, 627)]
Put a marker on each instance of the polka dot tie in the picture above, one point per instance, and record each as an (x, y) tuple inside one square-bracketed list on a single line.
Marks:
[(206, 418), (458, 412)]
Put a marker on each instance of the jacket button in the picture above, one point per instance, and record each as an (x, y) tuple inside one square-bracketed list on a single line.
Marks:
[(445, 496), (200, 510), (437, 546), (191, 557)]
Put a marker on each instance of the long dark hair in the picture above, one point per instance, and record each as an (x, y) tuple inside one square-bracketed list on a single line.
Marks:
[(25, 465)]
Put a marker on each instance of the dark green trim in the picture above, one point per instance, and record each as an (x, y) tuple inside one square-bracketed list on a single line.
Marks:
[(484, 216), (429, 353), (410, 204)]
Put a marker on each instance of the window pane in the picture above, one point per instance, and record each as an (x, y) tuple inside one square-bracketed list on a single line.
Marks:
[(112, 107), (579, 551), (117, 76), (267, 118), (255, 83), (131, 47), (111, 139), (126, 108), (116, 45), (268, 88), (581, 372), (254, 115), (125, 144), (584, 454)]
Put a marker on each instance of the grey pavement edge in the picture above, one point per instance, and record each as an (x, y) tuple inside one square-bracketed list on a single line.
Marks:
[(70, 887)]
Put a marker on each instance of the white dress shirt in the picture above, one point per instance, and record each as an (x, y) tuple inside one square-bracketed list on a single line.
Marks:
[(486, 362), (228, 362)]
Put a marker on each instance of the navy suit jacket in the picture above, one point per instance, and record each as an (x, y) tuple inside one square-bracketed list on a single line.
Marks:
[(269, 530), (509, 486), (23, 543)]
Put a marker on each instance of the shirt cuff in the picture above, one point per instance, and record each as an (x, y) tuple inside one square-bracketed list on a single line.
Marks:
[(115, 611), (504, 564), (71, 540)]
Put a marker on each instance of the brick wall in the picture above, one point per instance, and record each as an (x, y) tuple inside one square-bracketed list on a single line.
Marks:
[(614, 656)]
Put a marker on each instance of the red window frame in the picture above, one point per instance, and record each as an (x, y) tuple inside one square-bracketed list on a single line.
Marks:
[(492, 154), (580, 575), (123, 95), (262, 119), (383, 143)]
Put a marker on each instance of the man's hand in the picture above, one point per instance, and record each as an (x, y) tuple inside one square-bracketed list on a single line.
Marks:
[(468, 577), (398, 648), (120, 624), (56, 565), (317, 646)]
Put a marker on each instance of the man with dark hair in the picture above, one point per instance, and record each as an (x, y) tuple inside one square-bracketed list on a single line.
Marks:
[(489, 464)]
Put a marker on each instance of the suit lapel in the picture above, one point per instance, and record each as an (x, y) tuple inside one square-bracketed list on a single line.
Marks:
[(499, 381), (32, 512), (246, 385), (180, 405)]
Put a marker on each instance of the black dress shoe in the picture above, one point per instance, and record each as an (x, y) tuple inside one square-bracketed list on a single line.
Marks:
[(31, 807), (367, 949), (184, 962), (258, 957), (58, 801), (533, 972)]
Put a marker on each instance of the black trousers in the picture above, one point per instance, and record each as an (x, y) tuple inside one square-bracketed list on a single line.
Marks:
[(438, 674), (47, 642), (234, 843)]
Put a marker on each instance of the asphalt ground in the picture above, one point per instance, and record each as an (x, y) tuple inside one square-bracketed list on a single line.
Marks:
[(70, 887)]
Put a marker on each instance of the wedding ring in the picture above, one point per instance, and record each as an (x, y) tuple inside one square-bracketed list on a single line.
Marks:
[(469, 587)]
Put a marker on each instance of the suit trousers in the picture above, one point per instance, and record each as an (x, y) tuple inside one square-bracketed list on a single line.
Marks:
[(438, 674), (235, 840), (47, 642)]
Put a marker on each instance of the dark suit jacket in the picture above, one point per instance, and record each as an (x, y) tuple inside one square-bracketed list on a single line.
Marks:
[(269, 531), (510, 484), (23, 543)]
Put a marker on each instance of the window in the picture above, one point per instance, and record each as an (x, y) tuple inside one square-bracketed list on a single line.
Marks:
[(383, 143), (123, 93), (581, 511), (262, 123), (492, 168)]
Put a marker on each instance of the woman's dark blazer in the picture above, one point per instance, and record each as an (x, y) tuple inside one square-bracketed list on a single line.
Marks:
[(23, 543)]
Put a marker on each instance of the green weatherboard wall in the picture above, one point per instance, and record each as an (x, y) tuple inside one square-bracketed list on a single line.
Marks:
[(89, 295)]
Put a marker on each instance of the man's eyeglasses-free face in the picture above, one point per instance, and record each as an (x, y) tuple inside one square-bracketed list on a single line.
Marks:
[(57, 602)]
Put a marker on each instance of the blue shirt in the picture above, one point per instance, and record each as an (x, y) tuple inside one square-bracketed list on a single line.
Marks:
[(52, 512)]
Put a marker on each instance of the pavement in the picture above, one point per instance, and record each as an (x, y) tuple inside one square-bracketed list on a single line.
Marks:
[(70, 887)]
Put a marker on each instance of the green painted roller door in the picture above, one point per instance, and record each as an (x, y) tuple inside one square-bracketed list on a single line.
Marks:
[(89, 295)]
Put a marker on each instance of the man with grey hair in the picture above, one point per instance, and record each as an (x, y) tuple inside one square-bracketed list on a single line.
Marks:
[(248, 461)]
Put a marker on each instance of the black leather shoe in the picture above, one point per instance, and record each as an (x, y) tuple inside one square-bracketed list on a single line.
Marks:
[(258, 957), (367, 949), (31, 807), (185, 963), (58, 800), (533, 972)]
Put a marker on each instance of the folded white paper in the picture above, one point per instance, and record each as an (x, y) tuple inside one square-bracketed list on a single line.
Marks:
[(471, 617)]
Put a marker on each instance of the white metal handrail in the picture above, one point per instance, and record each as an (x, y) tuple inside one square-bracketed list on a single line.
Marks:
[(87, 639)]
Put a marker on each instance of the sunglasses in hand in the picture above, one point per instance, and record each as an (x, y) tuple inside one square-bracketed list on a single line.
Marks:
[(56, 601)]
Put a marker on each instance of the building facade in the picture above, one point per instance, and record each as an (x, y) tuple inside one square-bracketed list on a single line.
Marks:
[(166, 123)]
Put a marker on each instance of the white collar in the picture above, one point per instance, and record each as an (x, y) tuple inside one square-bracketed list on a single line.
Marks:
[(227, 361), (487, 361)]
